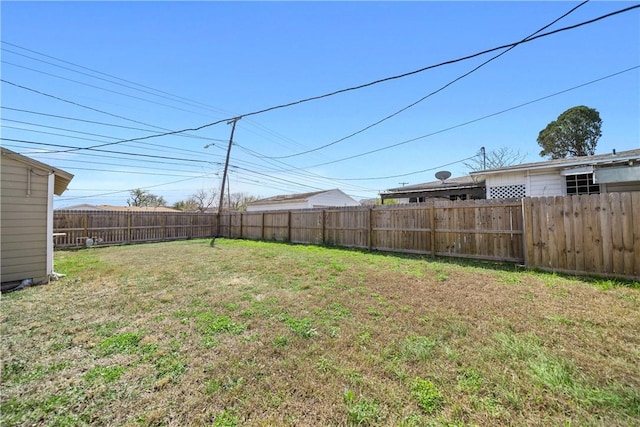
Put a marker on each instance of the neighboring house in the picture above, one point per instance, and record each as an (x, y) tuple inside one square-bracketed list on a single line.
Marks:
[(319, 199), (604, 173), (87, 207), (461, 188), (26, 217)]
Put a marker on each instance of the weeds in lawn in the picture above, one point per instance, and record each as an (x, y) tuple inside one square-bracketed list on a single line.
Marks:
[(302, 327), (106, 374), (427, 395), (126, 342), (417, 348), (264, 334), (226, 419), (362, 412), (469, 380)]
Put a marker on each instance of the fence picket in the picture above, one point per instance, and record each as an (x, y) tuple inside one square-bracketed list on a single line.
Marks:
[(597, 234)]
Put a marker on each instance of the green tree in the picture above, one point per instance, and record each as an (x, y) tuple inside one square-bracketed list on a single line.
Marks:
[(574, 133), (139, 197)]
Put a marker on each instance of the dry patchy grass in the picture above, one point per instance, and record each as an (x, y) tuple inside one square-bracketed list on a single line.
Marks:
[(265, 334)]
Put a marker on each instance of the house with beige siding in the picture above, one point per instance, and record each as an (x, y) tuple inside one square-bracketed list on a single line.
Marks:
[(603, 173), (26, 217)]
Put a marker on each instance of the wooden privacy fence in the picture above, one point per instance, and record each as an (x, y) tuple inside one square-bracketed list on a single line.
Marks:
[(597, 234), (121, 227), (482, 229)]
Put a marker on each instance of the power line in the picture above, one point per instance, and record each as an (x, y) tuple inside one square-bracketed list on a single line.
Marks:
[(105, 151), (413, 104), (142, 188), (101, 123), (475, 120), (372, 151), (375, 82), (101, 88), (39, 92), (170, 97), (160, 93), (166, 148)]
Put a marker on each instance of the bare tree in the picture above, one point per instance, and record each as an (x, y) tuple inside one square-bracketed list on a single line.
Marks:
[(498, 158), (203, 199), (188, 205), (239, 201)]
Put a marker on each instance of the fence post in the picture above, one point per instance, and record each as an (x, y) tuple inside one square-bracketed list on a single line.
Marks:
[(527, 232), (289, 226), (128, 227), (432, 215), (262, 226), (86, 225), (323, 226), (370, 236)]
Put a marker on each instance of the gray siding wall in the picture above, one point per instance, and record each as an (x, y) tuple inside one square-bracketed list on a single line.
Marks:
[(23, 222), (620, 187), (546, 184)]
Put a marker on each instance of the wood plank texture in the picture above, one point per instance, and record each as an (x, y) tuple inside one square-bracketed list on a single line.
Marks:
[(596, 234)]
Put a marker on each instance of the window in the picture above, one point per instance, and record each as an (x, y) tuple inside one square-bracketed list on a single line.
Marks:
[(582, 184)]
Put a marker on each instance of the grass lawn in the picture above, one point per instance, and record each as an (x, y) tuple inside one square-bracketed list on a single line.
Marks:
[(264, 334)]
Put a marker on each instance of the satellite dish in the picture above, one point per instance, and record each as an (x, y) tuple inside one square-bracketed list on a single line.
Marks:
[(443, 175)]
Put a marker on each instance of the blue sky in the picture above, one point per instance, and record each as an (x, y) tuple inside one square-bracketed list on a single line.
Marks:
[(119, 70)]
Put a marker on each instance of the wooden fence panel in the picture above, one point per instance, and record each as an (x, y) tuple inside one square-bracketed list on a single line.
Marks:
[(478, 230), (635, 221), (596, 234), (307, 227), (347, 228), (120, 227), (626, 205), (276, 226), (235, 225), (401, 229), (252, 225)]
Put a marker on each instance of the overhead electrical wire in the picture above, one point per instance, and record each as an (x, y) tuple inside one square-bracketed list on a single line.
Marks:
[(375, 82), (371, 151), (100, 123), (127, 191), (485, 116), (150, 91), (159, 93), (387, 147), (155, 146), (413, 104), (2, 138), (101, 88)]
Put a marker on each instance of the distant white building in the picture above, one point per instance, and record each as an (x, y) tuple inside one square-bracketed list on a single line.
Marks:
[(288, 202)]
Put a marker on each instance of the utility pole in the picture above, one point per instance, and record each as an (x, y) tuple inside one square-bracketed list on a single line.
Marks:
[(484, 158), (403, 183), (226, 167)]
